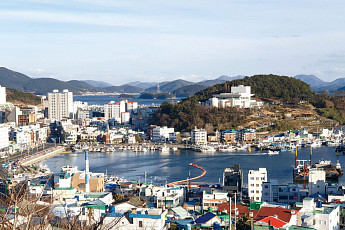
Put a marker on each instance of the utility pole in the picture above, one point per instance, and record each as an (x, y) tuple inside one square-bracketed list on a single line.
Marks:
[(229, 211), (235, 211)]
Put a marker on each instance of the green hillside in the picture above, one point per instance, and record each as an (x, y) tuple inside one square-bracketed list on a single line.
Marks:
[(263, 86), (187, 114), (22, 98)]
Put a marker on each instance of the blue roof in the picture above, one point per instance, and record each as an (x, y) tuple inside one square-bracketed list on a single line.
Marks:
[(205, 218), (112, 214), (315, 195), (181, 223), (151, 205), (191, 203), (110, 186)]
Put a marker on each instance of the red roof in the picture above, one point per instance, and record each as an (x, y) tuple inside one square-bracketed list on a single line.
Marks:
[(281, 213), (272, 221), (225, 206)]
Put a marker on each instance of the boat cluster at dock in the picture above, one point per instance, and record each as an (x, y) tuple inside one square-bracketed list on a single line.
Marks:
[(113, 148)]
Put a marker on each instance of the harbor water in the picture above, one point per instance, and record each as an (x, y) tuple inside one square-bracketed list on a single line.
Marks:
[(173, 165), (102, 99)]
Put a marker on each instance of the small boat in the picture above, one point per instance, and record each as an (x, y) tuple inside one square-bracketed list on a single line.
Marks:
[(270, 152), (164, 148), (207, 149)]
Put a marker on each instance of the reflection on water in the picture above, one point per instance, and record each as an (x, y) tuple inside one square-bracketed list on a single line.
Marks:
[(173, 166)]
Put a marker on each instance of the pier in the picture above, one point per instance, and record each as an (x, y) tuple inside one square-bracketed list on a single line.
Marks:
[(43, 155)]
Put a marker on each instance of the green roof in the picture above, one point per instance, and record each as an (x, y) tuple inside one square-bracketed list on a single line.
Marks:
[(97, 194), (70, 188), (299, 228), (308, 198)]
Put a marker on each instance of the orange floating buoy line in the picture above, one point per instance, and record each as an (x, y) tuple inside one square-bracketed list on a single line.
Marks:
[(194, 178)]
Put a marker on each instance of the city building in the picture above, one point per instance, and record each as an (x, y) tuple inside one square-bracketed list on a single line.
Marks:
[(96, 182), (4, 138), (255, 180), (232, 179), (198, 136), (120, 111), (246, 135), (60, 105), (317, 180), (284, 194), (228, 136), (316, 215), (2, 95), (211, 200), (137, 218), (162, 133), (114, 110), (240, 96)]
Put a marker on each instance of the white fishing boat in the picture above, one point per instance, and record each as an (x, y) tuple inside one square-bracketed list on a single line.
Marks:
[(270, 152), (207, 149), (164, 148)]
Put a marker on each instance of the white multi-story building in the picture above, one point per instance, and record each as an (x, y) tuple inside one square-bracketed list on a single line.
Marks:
[(161, 133), (240, 96), (166, 197), (283, 194), (2, 95), (132, 106), (83, 114), (4, 138), (60, 105), (125, 117), (211, 200), (255, 180), (317, 180), (114, 110), (318, 216), (198, 136)]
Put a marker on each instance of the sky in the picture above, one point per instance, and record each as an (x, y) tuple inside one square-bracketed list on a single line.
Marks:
[(120, 41)]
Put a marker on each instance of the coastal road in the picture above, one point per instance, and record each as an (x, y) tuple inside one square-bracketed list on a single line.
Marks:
[(19, 155)]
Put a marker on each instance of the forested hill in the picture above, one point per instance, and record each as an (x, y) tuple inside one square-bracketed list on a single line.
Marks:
[(263, 86), (187, 114)]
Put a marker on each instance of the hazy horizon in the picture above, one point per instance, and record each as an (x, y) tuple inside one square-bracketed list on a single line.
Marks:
[(124, 41)]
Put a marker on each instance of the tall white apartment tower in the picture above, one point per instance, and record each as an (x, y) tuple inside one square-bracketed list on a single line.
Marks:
[(2, 95), (114, 110), (60, 104), (255, 179)]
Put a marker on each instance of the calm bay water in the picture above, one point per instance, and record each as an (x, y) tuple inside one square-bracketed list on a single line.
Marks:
[(173, 166), (102, 99)]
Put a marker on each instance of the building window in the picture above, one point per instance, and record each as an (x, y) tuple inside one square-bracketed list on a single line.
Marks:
[(140, 224)]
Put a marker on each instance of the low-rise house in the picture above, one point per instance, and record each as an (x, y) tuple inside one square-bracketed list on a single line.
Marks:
[(179, 213), (166, 197), (289, 216), (317, 216), (135, 219), (211, 200), (208, 220), (96, 181)]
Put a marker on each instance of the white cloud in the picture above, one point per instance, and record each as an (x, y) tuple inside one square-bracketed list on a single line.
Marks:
[(101, 19)]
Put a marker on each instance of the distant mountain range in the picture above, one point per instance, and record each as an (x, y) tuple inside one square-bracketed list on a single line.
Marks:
[(179, 87), (41, 86), (319, 85)]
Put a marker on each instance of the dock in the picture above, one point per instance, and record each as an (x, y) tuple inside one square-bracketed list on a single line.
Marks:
[(43, 155)]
